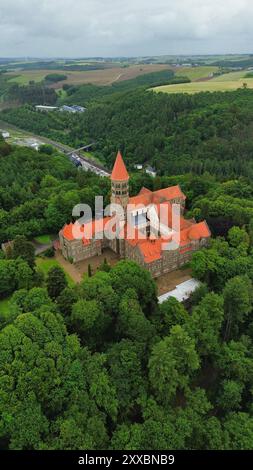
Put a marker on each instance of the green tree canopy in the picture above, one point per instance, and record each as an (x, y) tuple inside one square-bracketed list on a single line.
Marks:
[(56, 282), (172, 362)]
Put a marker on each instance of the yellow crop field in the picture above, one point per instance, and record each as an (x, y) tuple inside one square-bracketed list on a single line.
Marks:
[(209, 85)]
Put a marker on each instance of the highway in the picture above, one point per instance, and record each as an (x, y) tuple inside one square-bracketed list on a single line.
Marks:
[(87, 163)]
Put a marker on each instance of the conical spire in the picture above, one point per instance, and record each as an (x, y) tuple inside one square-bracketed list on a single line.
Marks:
[(119, 172)]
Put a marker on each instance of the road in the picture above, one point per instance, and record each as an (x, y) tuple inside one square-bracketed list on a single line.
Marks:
[(87, 163), (88, 166)]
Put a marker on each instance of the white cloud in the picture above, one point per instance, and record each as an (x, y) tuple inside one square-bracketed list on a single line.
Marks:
[(124, 27)]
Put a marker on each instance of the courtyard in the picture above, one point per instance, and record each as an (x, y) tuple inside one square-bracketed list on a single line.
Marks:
[(77, 270), (165, 283), (168, 282), (96, 261)]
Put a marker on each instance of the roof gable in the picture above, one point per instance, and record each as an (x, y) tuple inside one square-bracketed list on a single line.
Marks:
[(172, 192)]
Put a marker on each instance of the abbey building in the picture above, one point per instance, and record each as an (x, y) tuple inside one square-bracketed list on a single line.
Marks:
[(153, 233)]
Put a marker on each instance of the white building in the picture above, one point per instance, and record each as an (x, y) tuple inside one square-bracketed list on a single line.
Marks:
[(35, 146), (5, 134), (73, 109), (45, 109), (182, 291), (150, 171), (138, 166)]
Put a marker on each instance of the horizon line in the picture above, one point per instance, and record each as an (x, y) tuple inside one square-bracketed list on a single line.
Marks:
[(28, 57)]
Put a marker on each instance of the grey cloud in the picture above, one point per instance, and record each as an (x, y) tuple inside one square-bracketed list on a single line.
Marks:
[(117, 27)]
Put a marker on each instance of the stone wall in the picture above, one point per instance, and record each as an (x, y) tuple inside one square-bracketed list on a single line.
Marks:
[(170, 260), (180, 201), (133, 253), (75, 250)]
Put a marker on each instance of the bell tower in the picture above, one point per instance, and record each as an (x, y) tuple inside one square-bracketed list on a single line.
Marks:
[(119, 183)]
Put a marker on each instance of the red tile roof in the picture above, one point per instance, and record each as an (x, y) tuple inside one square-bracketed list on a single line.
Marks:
[(200, 230), (119, 172), (144, 199), (173, 192), (152, 249), (67, 232), (145, 191), (146, 196), (89, 227)]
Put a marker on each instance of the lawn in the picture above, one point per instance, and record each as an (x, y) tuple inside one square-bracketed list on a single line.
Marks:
[(43, 239), (47, 263), (210, 85)]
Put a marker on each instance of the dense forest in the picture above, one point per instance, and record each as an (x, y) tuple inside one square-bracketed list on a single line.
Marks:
[(39, 197), (12, 94), (101, 365), (177, 134), (33, 94)]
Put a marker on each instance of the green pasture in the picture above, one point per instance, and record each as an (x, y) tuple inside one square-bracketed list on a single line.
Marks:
[(25, 76), (195, 73)]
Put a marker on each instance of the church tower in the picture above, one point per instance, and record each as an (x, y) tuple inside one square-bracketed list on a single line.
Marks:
[(119, 183)]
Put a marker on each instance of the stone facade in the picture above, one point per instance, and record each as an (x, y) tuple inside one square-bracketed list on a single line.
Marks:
[(76, 250)]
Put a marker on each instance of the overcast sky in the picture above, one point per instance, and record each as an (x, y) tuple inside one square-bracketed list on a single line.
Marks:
[(71, 28)]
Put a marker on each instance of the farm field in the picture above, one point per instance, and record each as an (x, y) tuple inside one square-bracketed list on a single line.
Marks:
[(210, 85), (25, 76), (231, 76), (196, 73), (96, 77)]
